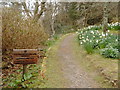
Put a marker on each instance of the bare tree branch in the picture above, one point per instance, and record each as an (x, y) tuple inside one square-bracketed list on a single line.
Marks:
[(38, 15), (36, 8), (26, 10)]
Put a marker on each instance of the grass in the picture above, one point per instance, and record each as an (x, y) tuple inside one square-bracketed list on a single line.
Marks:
[(53, 72), (97, 66), (114, 32), (93, 64), (100, 66)]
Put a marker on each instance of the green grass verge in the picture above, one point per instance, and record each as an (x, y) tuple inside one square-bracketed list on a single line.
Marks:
[(53, 69)]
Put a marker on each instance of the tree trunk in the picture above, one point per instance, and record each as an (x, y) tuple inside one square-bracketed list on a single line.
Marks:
[(52, 27), (105, 18)]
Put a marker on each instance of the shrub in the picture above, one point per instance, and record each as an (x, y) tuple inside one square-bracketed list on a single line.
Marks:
[(20, 32)]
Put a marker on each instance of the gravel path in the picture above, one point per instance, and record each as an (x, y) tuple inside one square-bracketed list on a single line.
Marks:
[(72, 71)]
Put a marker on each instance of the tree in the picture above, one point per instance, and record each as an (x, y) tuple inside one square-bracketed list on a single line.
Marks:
[(72, 11), (37, 12), (105, 17)]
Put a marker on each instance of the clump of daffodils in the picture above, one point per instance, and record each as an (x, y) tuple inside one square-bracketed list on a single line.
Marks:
[(95, 39)]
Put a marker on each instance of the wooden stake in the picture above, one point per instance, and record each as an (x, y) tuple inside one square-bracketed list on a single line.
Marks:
[(24, 70)]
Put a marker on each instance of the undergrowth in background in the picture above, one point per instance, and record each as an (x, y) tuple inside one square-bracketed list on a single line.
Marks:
[(66, 29), (94, 40), (52, 40)]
